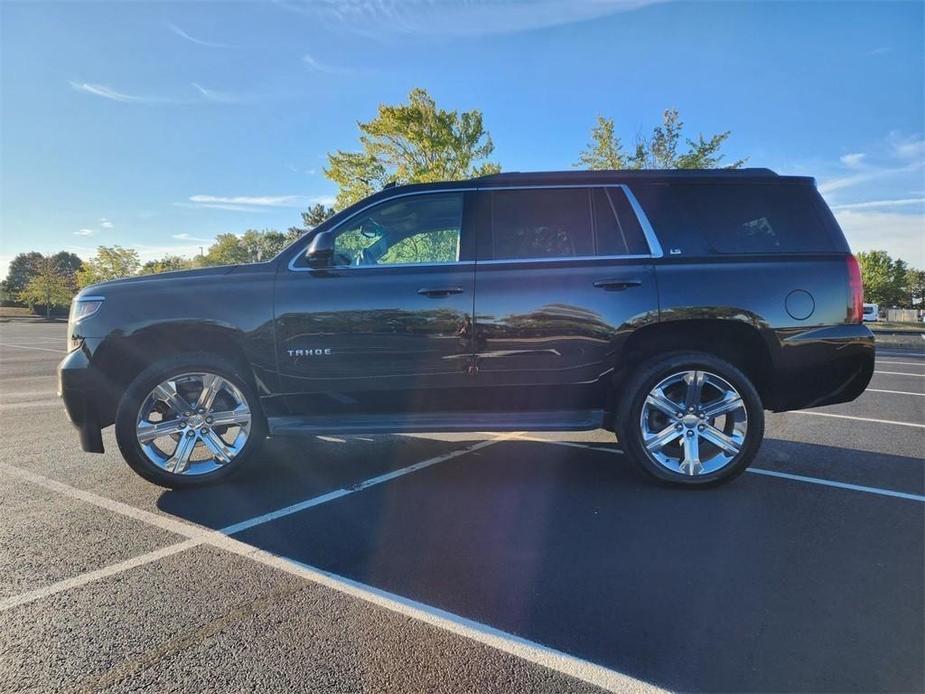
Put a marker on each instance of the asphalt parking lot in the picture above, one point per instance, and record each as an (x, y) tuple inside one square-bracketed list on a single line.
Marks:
[(464, 563)]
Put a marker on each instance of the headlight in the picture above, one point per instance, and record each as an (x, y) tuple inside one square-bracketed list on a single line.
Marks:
[(84, 307)]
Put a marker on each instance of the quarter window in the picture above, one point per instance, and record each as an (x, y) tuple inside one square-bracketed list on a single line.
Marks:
[(703, 218), (407, 230)]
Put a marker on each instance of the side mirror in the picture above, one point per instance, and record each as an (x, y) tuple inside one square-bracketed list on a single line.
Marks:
[(320, 250)]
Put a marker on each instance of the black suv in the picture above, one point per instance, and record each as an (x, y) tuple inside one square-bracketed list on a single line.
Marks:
[(671, 307)]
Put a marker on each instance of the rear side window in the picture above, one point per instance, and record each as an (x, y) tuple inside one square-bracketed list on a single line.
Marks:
[(697, 219), (541, 223), (615, 224)]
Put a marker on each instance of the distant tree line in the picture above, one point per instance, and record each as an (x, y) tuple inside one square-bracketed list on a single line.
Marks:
[(891, 282), (413, 142)]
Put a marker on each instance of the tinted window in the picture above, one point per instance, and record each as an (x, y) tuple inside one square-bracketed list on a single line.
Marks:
[(615, 224), (736, 218), (412, 229), (541, 223)]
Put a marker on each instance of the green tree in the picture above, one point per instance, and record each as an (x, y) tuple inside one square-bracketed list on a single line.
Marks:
[(605, 151), (226, 250), (48, 287), (262, 245), (251, 247), (109, 263), (883, 278), (21, 269), (67, 264), (312, 217), (169, 263), (659, 151), (914, 287), (316, 214), (415, 142)]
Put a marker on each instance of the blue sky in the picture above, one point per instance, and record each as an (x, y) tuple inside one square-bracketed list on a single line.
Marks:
[(160, 125)]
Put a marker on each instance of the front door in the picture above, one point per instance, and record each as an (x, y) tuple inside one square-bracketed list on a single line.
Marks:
[(388, 327), (564, 275)]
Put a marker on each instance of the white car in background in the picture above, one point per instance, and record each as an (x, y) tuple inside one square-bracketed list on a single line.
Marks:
[(871, 312)]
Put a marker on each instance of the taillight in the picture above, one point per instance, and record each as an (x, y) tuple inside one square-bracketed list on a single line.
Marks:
[(855, 291)]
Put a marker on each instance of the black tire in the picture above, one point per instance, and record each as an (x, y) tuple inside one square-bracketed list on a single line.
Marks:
[(146, 381), (651, 373)]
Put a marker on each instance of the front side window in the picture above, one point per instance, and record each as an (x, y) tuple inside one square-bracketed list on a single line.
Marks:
[(413, 229), (541, 223)]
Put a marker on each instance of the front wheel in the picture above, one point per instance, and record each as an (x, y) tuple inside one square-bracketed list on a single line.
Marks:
[(691, 419), (189, 420)]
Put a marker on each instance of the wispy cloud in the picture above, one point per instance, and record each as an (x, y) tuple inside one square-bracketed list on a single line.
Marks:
[(85, 232), (203, 95), (874, 204), (189, 237), (254, 203), (890, 213), (473, 18), (221, 97), (192, 39), (255, 200), (907, 147), (220, 206), (883, 50), (105, 223), (899, 234), (866, 176), (107, 92), (853, 161), (312, 64)]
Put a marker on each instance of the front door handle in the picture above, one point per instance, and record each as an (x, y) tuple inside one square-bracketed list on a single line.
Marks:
[(616, 285), (439, 292)]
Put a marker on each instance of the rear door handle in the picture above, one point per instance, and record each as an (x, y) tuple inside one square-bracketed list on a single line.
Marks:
[(439, 292), (616, 285)]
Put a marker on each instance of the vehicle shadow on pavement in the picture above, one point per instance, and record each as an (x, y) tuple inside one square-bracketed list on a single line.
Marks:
[(291, 470), (760, 585)]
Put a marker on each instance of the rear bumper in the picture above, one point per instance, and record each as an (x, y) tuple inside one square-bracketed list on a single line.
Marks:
[(80, 388), (822, 366)]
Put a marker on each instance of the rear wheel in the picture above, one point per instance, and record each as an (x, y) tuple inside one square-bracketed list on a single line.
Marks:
[(188, 420), (691, 419)]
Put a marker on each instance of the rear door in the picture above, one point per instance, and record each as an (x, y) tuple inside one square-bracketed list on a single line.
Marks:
[(387, 328), (564, 275)]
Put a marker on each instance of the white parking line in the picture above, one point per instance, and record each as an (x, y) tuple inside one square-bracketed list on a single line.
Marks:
[(29, 404), (40, 349), (840, 485), (757, 471), (196, 534), (898, 373), (894, 392), (858, 419), (373, 481), (902, 363), (90, 576), (530, 651)]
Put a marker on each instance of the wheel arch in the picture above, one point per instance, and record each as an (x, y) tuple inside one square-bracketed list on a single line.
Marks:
[(739, 342), (120, 358)]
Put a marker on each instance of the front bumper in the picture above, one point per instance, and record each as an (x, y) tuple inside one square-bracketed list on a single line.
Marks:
[(822, 366), (80, 387)]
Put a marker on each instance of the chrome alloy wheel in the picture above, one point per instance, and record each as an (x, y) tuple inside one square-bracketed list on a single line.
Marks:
[(693, 423), (193, 423)]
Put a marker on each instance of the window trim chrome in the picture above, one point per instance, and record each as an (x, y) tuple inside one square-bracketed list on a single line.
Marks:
[(655, 248)]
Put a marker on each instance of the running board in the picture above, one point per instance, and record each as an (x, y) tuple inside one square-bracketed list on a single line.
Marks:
[(582, 420)]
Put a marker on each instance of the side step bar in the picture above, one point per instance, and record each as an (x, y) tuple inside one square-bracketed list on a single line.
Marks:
[(438, 422)]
